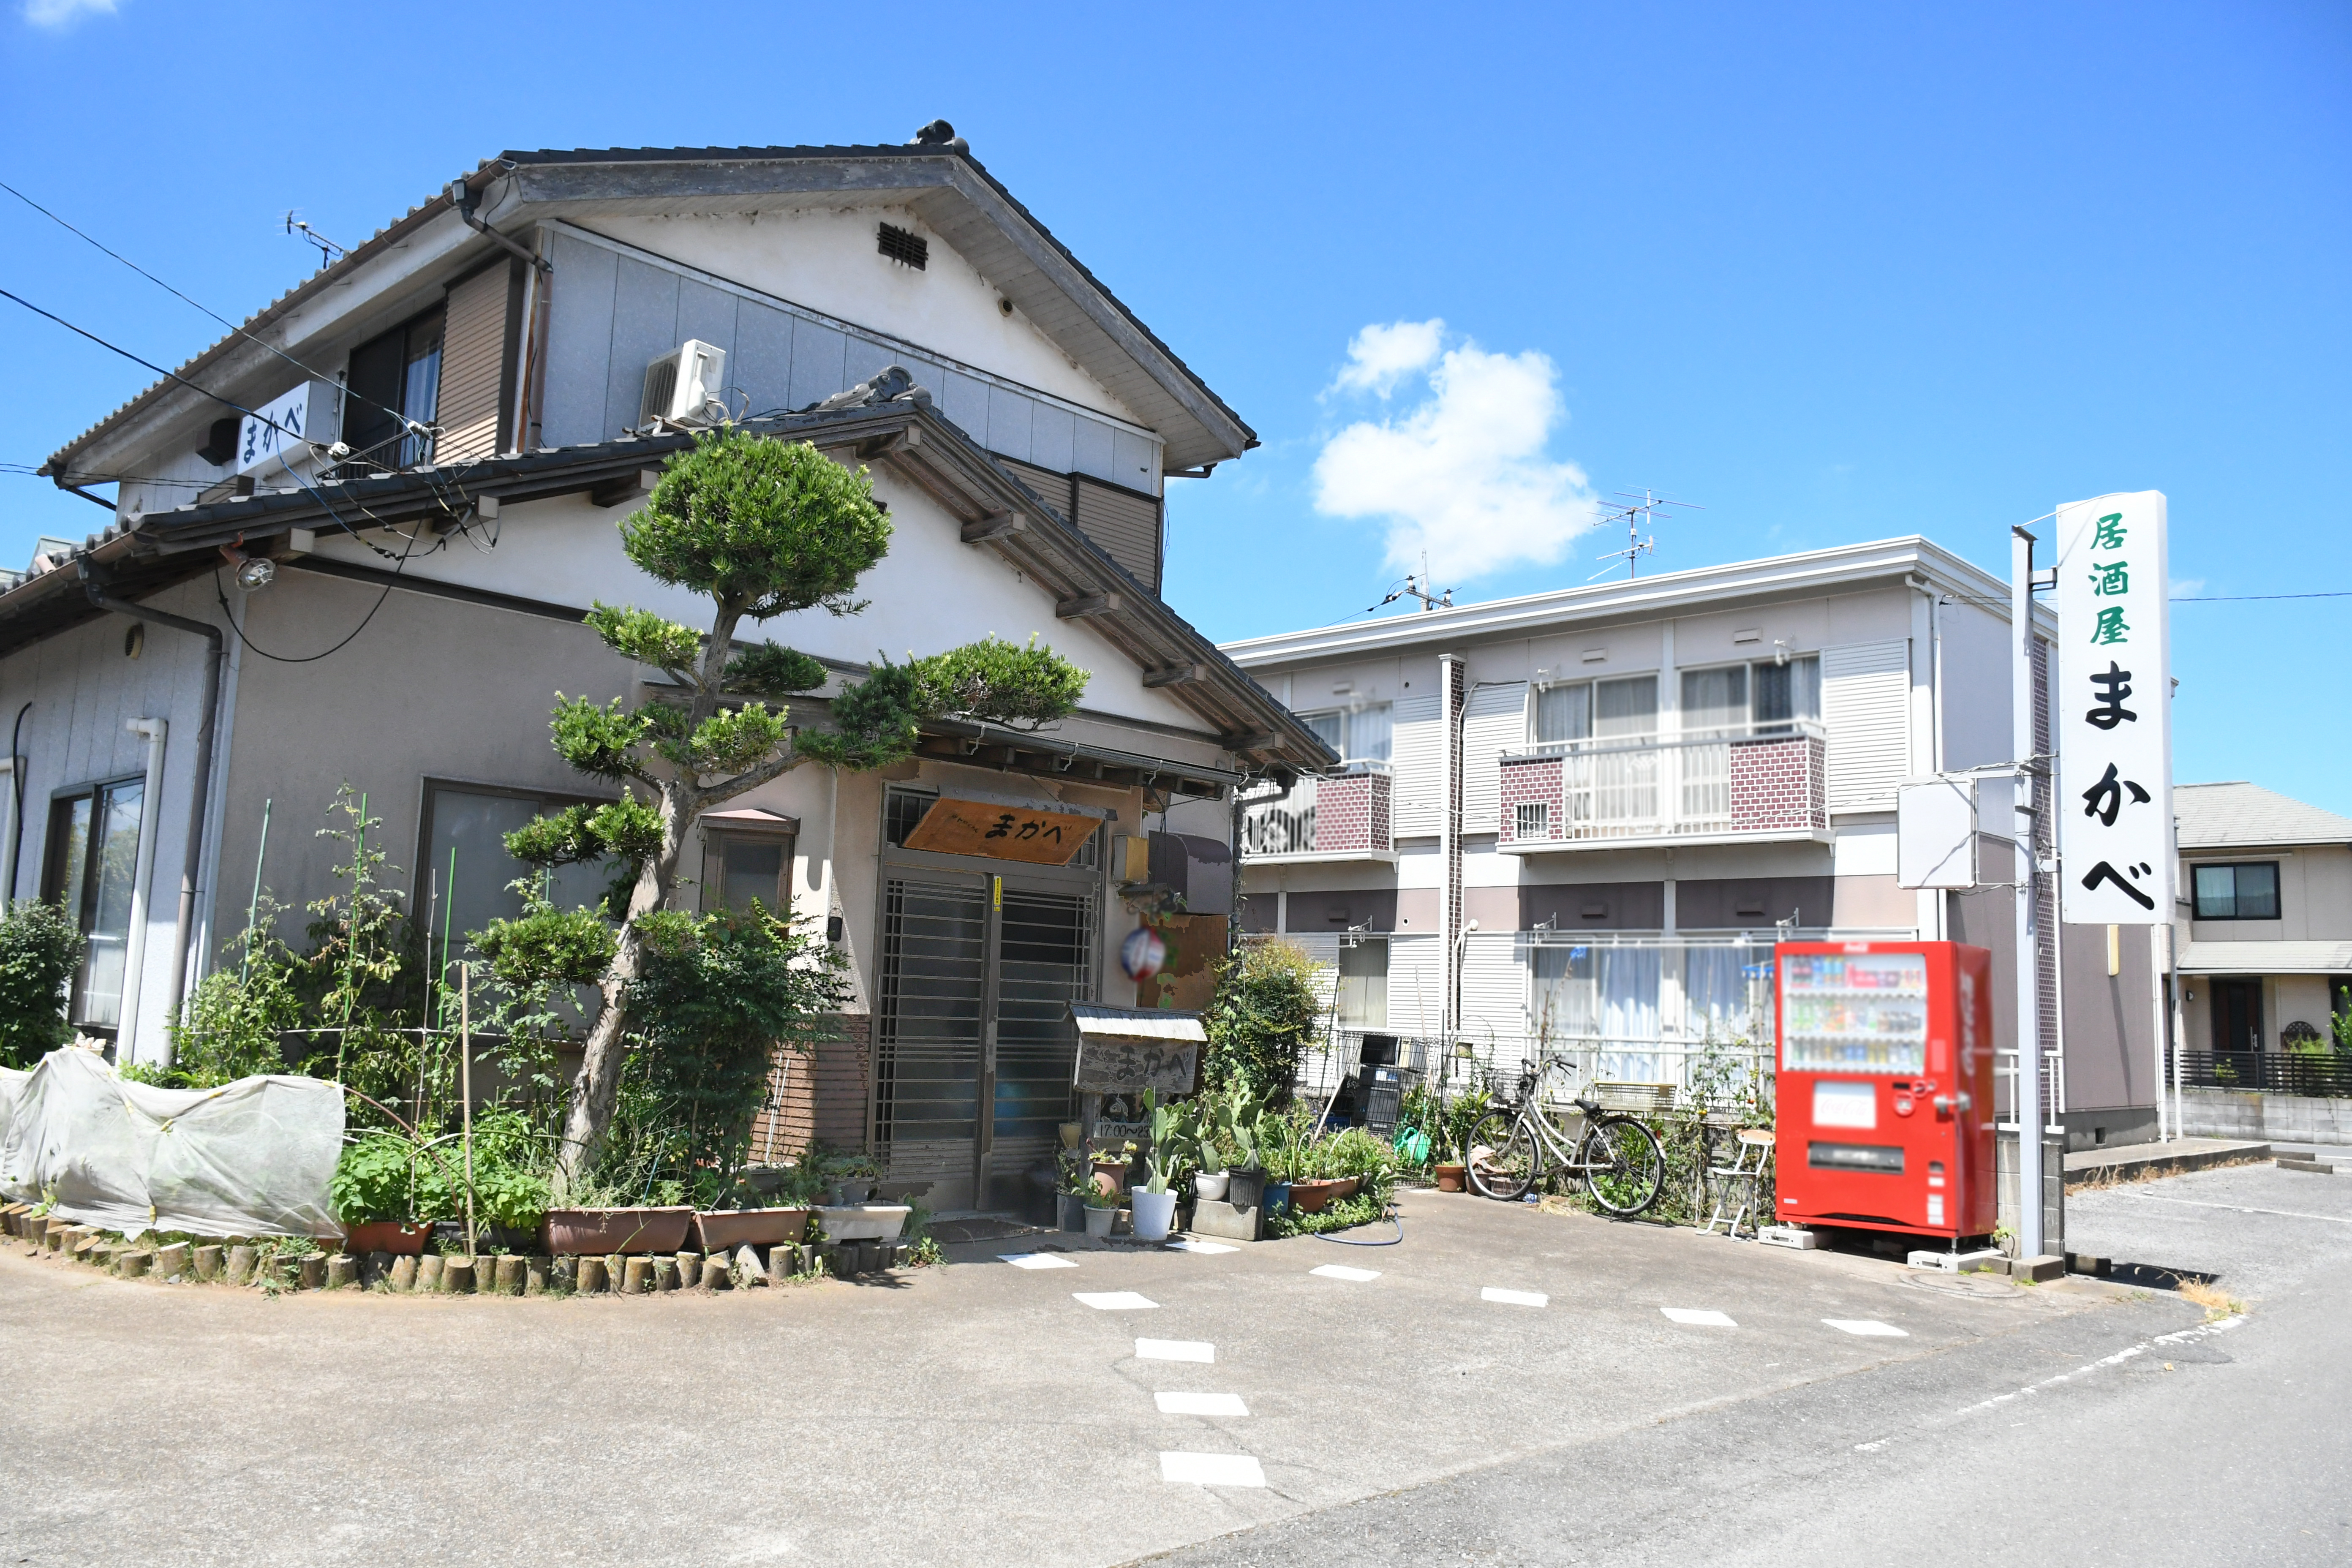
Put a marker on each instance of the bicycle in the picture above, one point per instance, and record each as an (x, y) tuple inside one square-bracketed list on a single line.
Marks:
[(1619, 1157)]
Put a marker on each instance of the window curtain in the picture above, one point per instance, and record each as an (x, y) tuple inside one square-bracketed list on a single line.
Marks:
[(1715, 700), (1369, 732), (1563, 1002), (1564, 713), (1629, 993), (1715, 984)]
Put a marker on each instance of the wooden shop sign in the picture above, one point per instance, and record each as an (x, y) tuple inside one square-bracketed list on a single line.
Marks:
[(1040, 833)]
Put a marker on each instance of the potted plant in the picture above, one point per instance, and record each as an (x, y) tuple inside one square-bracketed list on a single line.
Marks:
[(1155, 1206), (1102, 1207), (1238, 1121), (378, 1190), (1110, 1166)]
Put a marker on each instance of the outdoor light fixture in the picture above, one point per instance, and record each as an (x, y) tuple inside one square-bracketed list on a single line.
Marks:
[(257, 573)]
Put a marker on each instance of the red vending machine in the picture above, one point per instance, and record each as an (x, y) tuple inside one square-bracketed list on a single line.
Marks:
[(1885, 1099)]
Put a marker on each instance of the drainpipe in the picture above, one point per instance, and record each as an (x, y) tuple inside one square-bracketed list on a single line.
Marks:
[(207, 711), (142, 882), (15, 808)]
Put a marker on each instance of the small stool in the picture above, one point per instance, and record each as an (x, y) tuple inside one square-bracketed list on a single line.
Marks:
[(1737, 1183)]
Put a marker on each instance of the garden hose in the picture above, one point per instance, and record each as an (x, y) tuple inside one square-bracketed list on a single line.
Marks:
[(1394, 1217)]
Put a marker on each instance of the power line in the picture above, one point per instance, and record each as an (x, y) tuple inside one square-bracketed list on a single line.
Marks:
[(2242, 598), (151, 364), (206, 309)]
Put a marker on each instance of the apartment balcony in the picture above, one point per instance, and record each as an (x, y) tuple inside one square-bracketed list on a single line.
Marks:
[(1342, 816), (1748, 783)]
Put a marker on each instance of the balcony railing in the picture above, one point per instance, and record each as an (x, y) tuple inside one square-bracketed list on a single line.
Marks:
[(1747, 778), (1344, 813)]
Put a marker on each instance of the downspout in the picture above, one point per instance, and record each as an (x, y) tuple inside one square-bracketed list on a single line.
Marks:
[(15, 808), (154, 732), (207, 712)]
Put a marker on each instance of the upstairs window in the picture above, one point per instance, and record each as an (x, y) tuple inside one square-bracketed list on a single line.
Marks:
[(2245, 892), (398, 371), (1363, 734)]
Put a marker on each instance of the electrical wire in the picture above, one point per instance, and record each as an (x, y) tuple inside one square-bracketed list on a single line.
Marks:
[(150, 364), (216, 315), (222, 594)]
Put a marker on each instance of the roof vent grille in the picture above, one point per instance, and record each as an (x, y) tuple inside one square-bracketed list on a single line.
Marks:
[(906, 248)]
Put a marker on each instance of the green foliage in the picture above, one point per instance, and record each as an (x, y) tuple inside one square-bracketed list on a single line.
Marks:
[(717, 997), (1342, 1213), (769, 671), (510, 1159), (1352, 1152), (1002, 681), (875, 722), (645, 636), (365, 959), (765, 525), (40, 947), (546, 947), (236, 1023), (1264, 1012), (385, 1177), (732, 740), (601, 742), (2340, 1023)]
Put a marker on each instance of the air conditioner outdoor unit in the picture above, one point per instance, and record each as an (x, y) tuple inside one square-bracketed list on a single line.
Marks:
[(682, 386)]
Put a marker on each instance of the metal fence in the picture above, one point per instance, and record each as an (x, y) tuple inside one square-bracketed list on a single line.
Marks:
[(2323, 1077), (1702, 1074)]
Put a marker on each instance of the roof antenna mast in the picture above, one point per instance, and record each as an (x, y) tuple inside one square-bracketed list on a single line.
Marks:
[(1638, 510), (329, 251), (1418, 588)]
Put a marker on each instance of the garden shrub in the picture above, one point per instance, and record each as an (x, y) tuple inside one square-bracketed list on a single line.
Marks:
[(40, 947), (1262, 1014)]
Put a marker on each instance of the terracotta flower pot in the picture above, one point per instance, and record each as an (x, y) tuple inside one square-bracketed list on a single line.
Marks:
[(1109, 1174), (1348, 1186), (1450, 1178), (583, 1232), (1309, 1197), (386, 1235), (725, 1230)]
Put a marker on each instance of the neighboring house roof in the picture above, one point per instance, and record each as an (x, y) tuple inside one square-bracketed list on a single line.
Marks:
[(2241, 814), (1592, 608), (911, 437), (950, 188), (2266, 958)]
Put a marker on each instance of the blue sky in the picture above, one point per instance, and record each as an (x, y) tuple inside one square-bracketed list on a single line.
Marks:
[(1832, 272)]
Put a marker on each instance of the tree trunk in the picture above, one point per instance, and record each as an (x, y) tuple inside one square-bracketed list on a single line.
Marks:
[(596, 1089)]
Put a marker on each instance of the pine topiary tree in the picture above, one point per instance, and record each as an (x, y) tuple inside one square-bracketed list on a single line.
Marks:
[(763, 528)]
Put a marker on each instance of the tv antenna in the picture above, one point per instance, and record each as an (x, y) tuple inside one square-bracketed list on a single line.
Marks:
[(1637, 511), (1417, 588), (329, 251)]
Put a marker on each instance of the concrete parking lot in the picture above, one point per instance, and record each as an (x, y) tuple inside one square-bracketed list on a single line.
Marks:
[(1508, 1384)]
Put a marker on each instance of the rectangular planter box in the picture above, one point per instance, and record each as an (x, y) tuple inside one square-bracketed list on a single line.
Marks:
[(579, 1232), (386, 1235), (864, 1222), (725, 1230)]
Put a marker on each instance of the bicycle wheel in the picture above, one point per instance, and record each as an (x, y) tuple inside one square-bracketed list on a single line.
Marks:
[(1624, 1169), (1502, 1154)]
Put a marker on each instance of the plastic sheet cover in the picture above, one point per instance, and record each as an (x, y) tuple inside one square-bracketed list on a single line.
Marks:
[(248, 1158)]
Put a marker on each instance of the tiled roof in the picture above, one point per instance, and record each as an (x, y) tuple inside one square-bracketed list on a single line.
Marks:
[(2222, 815)]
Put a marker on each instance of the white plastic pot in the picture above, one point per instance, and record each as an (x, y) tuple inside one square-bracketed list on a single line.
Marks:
[(1153, 1213), (1205, 1186)]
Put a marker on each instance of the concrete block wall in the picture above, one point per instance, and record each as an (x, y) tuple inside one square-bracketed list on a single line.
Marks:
[(2258, 1117), (1779, 783), (2054, 1191)]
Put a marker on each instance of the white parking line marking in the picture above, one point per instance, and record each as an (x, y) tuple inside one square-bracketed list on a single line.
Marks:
[(1188, 1245), (1869, 1328), (1037, 1260), (1115, 1300), (1175, 1349), (1212, 1469), (1699, 1318), (1341, 1271), (1200, 1405), (1514, 1298), (2185, 1336)]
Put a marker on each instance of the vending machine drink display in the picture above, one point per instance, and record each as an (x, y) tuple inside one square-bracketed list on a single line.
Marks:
[(1885, 1097)]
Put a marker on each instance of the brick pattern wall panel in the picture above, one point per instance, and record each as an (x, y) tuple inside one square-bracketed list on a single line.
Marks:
[(1383, 792), (787, 1123), (1778, 784), (843, 1073), (1535, 782), (1343, 814)]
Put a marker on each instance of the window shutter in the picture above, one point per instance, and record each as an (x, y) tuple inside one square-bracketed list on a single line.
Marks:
[(1126, 525), (1494, 718), (1494, 988), (1865, 707), (1416, 791), (473, 367), (1413, 982)]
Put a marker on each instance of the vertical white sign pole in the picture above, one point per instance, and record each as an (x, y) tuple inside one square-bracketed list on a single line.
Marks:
[(2026, 1101)]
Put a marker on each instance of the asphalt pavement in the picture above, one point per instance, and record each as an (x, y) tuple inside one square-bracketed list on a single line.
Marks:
[(1503, 1385)]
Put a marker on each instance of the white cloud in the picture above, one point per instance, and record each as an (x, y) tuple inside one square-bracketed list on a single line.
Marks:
[(1378, 357), (1463, 475), (59, 12), (2186, 587)]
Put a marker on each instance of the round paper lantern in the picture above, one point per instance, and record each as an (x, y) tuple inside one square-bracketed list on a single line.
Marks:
[(1143, 954)]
